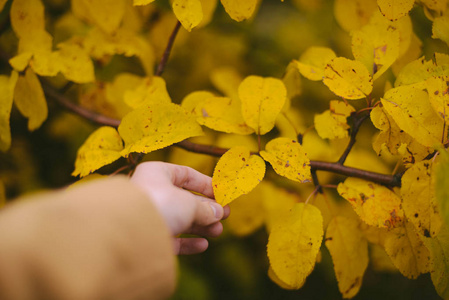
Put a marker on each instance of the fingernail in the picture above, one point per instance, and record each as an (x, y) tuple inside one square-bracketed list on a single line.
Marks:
[(217, 209)]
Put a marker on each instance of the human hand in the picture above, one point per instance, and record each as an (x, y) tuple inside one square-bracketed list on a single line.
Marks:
[(184, 212)]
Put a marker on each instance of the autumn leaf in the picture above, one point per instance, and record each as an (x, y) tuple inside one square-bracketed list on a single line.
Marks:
[(27, 17), (76, 64), (407, 251), (277, 203), (353, 14), (7, 86), (438, 89), (294, 243), (440, 29), (418, 71), (239, 10), (101, 148), (227, 81), (332, 123), (348, 78), (30, 99), (236, 173), (376, 205), (151, 90), (292, 82), (288, 158), (418, 198), (194, 99), (349, 251), (441, 183), (312, 62), (394, 10), (188, 12), (411, 110), (262, 100), (278, 281), (106, 14), (142, 2), (150, 128)]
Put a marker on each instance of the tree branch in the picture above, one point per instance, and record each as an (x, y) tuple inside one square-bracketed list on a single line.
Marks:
[(166, 55), (355, 129)]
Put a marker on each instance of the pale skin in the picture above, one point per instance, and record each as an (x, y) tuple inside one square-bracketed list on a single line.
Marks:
[(170, 187)]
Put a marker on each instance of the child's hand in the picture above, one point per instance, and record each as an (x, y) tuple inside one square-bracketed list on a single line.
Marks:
[(183, 211)]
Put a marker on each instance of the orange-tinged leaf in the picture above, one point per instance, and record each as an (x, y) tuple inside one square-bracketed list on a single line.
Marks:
[(349, 250), (377, 47), (332, 124), (288, 158), (7, 85), (150, 90), (222, 114), (407, 251), (293, 244), (236, 173), (440, 29), (410, 108), (30, 99), (439, 255), (154, 127), (188, 12), (101, 148), (353, 14), (239, 10), (375, 204), (312, 62), (262, 100), (418, 199), (348, 78), (106, 14), (395, 9)]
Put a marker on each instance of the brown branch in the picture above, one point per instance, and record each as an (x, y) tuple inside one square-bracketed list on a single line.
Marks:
[(166, 55), (355, 129)]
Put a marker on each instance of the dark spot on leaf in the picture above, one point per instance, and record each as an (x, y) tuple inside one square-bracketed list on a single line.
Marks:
[(426, 233)]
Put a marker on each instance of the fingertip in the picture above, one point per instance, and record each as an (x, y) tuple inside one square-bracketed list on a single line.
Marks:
[(217, 210), (226, 212), (189, 246)]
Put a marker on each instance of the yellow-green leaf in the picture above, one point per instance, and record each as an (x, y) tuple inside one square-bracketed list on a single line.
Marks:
[(439, 254), (395, 9), (375, 204), (150, 128), (188, 12), (441, 184), (239, 10), (411, 110), (101, 148), (7, 85), (353, 14), (312, 62), (294, 243), (30, 99), (418, 199), (349, 250), (440, 29), (348, 78), (288, 158), (236, 173), (332, 124), (407, 251), (222, 114), (106, 14), (377, 47), (262, 100)]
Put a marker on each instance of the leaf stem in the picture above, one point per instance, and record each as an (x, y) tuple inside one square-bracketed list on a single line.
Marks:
[(355, 129)]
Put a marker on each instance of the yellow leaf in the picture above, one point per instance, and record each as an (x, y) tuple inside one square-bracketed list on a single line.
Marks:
[(277, 203), (101, 148), (332, 124), (236, 173), (231, 140), (395, 9), (247, 212), (411, 53), (239, 10), (46, 63), (440, 29), (30, 99), (290, 123), (115, 92), (348, 78), (7, 85), (439, 254), (278, 281), (292, 82), (27, 17), (395, 141), (222, 114), (106, 14), (194, 99), (151, 90), (312, 62), (349, 251), (407, 251), (142, 2), (2, 4), (208, 7), (21, 61), (188, 12), (262, 100), (288, 158), (434, 8), (438, 89), (441, 184), (294, 243), (418, 199), (76, 64), (227, 81), (411, 110), (154, 127), (418, 71), (353, 14), (376, 205), (377, 47)]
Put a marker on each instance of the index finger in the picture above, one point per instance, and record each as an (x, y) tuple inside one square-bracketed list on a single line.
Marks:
[(190, 179)]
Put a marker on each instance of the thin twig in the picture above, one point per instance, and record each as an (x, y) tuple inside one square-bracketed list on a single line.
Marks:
[(312, 194), (355, 129), (316, 182), (166, 55)]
